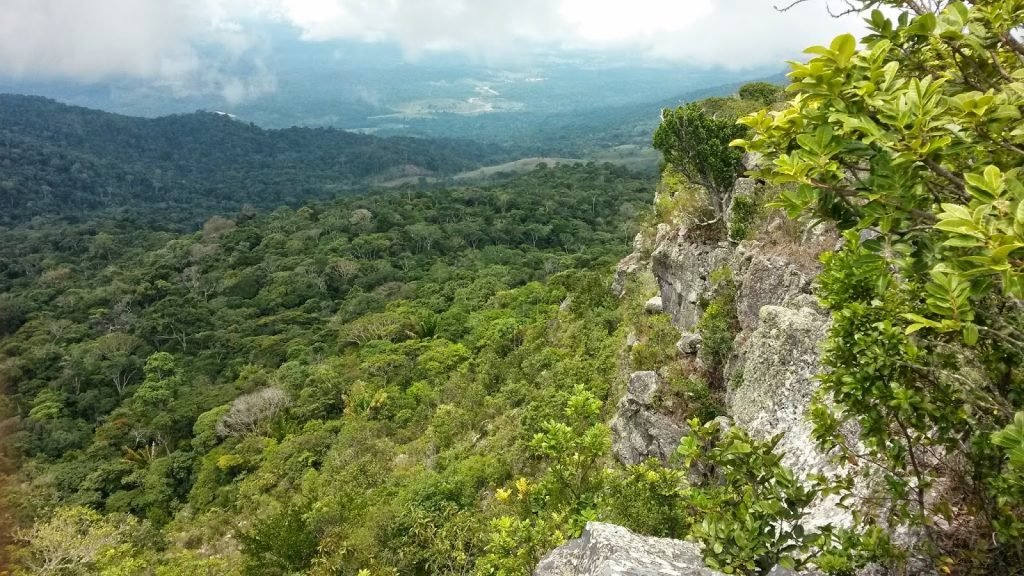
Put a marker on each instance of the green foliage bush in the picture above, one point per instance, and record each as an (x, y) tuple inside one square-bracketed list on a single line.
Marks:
[(914, 143), (696, 143), (718, 325), (764, 93), (742, 216)]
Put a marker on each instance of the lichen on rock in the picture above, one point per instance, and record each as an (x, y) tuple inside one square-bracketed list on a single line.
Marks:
[(609, 550), (639, 431)]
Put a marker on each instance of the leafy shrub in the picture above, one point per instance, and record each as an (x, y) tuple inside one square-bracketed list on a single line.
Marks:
[(650, 498), (744, 212), (764, 93), (927, 339), (718, 326), (752, 514)]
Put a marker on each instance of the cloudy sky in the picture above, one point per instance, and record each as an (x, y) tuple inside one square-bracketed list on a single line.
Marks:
[(201, 44)]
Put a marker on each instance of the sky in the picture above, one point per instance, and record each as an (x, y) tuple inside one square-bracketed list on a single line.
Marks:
[(195, 46)]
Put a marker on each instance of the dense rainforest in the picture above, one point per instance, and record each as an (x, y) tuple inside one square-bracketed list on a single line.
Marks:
[(343, 379)]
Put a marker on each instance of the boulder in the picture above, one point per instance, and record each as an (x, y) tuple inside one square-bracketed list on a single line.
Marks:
[(689, 343), (609, 550), (632, 339), (624, 269), (751, 160), (639, 431), (654, 306)]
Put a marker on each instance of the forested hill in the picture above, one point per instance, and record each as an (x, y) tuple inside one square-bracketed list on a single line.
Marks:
[(65, 160)]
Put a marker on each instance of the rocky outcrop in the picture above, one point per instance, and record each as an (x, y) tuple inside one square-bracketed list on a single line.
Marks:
[(778, 364), (608, 550), (764, 281), (683, 266), (627, 267), (639, 431)]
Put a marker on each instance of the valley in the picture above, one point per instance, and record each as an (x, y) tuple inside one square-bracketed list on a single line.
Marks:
[(560, 288)]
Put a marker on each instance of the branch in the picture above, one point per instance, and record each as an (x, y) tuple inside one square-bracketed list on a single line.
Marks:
[(850, 9), (851, 193), (1013, 43), (999, 66), (938, 169)]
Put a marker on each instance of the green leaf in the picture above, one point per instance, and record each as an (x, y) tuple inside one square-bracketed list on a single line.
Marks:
[(923, 25), (844, 46), (1001, 253), (921, 320), (970, 332)]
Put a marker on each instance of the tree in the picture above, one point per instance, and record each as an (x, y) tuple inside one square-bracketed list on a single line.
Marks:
[(697, 145), (915, 145), (250, 413), (765, 93), (73, 541)]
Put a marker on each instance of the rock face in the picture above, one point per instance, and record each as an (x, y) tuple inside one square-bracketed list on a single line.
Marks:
[(779, 364), (608, 550), (639, 432), (683, 268), (767, 281)]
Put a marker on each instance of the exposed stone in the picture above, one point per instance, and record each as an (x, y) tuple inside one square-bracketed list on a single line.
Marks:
[(565, 305), (767, 281), (689, 343), (653, 306), (780, 361), (623, 270), (639, 431), (609, 550), (682, 267), (632, 339), (751, 160)]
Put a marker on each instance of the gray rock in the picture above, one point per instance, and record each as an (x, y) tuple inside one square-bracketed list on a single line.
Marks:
[(751, 160), (639, 431), (682, 266), (632, 340), (767, 281), (609, 550), (744, 187), (654, 306), (689, 344), (780, 361), (626, 267)]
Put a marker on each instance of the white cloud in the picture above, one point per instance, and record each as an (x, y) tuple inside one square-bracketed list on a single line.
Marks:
[(731, 33), (186, 46), (190, 46)]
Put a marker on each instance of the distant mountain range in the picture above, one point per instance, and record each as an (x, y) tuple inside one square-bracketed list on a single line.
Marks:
[(60, 160)]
